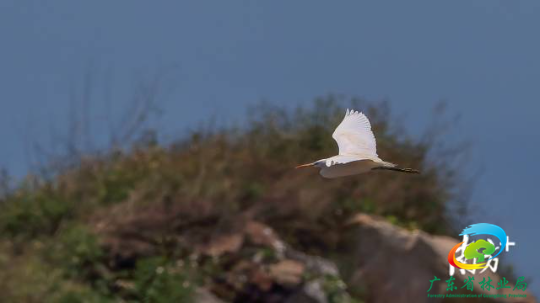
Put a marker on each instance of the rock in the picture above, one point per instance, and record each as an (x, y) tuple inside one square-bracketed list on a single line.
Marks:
[(312, 292), (250, 261), (204, 296), (290, 276), (262, 279), (391, 264), (287, 272), (261, 234), (314, 264), (229, 243)]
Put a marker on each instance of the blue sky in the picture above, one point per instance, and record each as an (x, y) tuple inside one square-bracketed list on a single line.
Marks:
[(481, 56)]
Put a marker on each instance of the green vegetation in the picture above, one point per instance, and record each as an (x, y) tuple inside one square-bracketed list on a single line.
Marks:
[(115, 227)]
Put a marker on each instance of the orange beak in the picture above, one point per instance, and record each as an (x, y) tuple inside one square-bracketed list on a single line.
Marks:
[(305, 165)]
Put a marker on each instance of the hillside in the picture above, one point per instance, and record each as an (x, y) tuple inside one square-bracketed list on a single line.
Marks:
[(221, 215)]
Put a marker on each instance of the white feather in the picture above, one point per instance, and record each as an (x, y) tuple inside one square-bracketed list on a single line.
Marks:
[(355, 137)]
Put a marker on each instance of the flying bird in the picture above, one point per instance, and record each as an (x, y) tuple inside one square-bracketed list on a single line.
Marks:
[(357, 150)]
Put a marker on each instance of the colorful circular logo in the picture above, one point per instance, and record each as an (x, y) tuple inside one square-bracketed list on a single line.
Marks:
[(478, 249)]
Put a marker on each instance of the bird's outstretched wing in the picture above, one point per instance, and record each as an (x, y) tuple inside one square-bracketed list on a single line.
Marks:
[(354, 135)]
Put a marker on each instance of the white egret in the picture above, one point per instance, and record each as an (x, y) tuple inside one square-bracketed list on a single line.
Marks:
[(357, 150)]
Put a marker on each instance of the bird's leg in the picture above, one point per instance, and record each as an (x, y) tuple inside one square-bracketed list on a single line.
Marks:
[(403, 170)]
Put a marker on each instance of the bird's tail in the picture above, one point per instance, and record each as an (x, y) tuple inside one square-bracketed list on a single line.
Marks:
[(394, 167)]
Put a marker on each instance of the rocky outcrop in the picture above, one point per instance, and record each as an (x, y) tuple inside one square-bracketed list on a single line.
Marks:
[(271, 271), (391, 264), (378, 261), (250, 262), (204, 296)]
